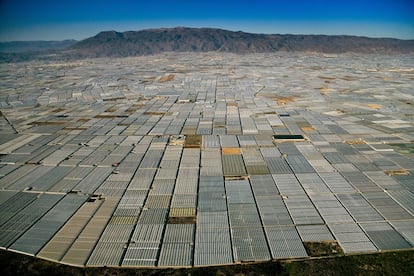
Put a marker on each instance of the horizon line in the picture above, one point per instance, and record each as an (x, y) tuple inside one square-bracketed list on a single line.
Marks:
[(213, 28)]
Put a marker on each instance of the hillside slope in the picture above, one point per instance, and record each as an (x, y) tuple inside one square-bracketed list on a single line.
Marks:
[(153, 41)]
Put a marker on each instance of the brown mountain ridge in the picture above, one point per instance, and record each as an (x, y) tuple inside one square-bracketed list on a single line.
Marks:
[(153, 41), (182, 39)]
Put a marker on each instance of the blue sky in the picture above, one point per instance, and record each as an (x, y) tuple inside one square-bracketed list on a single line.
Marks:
[(79, 19)]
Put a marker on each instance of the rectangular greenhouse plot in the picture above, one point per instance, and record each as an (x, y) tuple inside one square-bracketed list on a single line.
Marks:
[(193, 141), (284, 242), (170, 162), (112, 188), (405, 180), (211, 141), (78, 173), (315, 233), (247, 140), (204, 130), (59, 155), (19, 141), (229, 141), (189, 130), (25, 218), (14, 204), (56, 248), (312, 184), (113, 160), (184, 200), (182, 216), (345, 167), (153, 216), (158, 201), (387, 207), (215, 170), (182, 212), (405, 228), (44, 229), (114, 235), (141, 254), (211, 201), (249, 244), (336, 183), (273, 211), (277, 165), (288, 185), (189, 165), (148, 233), (333, 212), (302, 210), (4, 196), (233, 165), (264, 142), (210, 157), (189, 171), (127, 220), (142, 179), (151, 159), (263, 185), (259, 169), (404, 198), (299, 164), (304, 216), (108, 253), (361, 182), (93, 159), (241, 215), (212, 247), (384, 236), (144, 247), (82, 247), (321, 165), (176, 254), (5, 169), (359, 208), (162, 186), (132, 200), (176, 233), (239, 192), (212, 220), (288, 149), (49, 179), (91, 182), (186, 186), (384, 180), (233, 129), (351, 238), (178, 245), (252, 155), (60, 243), (335, 157), (24, 183)]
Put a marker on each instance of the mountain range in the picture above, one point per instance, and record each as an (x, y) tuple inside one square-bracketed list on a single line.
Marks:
[(181, 39)]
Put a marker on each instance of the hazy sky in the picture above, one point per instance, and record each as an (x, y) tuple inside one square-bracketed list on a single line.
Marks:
[(79, 19)]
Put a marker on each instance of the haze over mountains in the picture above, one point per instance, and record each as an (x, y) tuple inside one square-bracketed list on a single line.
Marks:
[(181, 39), (34, 46)]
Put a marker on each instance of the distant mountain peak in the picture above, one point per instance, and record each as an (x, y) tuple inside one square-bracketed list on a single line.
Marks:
[(183, 39), (153, 41)]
